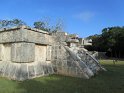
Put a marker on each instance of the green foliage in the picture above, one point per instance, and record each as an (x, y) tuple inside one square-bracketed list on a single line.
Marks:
[(4, 23), (11, 23), (73, 35), (111, 38), (17, 22), (41, 25)]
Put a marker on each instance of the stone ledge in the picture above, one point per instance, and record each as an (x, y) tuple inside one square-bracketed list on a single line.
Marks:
[(25, 35), (23, 27), (23, 71)]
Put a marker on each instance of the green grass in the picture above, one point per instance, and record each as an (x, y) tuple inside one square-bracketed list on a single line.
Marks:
[(111, 81)]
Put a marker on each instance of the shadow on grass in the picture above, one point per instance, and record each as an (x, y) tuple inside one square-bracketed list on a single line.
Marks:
[(52, 84)]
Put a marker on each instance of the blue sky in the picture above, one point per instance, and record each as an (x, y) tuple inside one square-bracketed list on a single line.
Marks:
[(84, 17)]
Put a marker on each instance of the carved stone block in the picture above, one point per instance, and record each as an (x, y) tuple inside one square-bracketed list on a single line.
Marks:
[(23, 52)]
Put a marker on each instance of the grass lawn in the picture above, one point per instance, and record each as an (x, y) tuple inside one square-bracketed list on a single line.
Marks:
[(111, 81)]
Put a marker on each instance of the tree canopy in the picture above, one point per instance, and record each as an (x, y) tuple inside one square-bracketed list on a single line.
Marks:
[(11, 23), (40, 24), (44, 25), (111, 39)]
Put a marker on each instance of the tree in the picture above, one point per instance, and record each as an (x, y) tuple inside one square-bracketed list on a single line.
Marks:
[(44, 25), (4, 23), (11, 23), (59, 26), (96, 42), (41, 25), (17, 22), (111, 38)]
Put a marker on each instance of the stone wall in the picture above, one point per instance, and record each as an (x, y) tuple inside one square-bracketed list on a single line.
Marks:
[(25, 53), (67, 63), (73, 61)]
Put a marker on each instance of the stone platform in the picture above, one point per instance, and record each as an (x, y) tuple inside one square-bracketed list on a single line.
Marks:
[(26, 53)]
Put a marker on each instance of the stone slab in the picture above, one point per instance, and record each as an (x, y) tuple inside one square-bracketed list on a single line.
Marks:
[(40, 53), (49, 49), (31, 71), (1, 52), (6, 52), (25, 35), (23, 52)]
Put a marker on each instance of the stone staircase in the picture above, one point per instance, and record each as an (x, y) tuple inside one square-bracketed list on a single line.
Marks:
[(90, 61)]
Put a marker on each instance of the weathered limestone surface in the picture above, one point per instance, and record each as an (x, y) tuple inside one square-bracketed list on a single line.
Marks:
[(1, 52), (5, 52), (27, 53), (24, 35), (22, 71), (23, 52), (48, 53), (67, 63), (40, 53), (73, 61)]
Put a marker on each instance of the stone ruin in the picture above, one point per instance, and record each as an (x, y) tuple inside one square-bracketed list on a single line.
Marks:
[(26, 53)]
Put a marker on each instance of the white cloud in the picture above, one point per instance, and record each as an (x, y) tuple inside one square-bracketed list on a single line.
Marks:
[(85, 16)]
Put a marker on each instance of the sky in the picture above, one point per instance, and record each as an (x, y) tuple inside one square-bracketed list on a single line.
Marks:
[(83, 17)]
